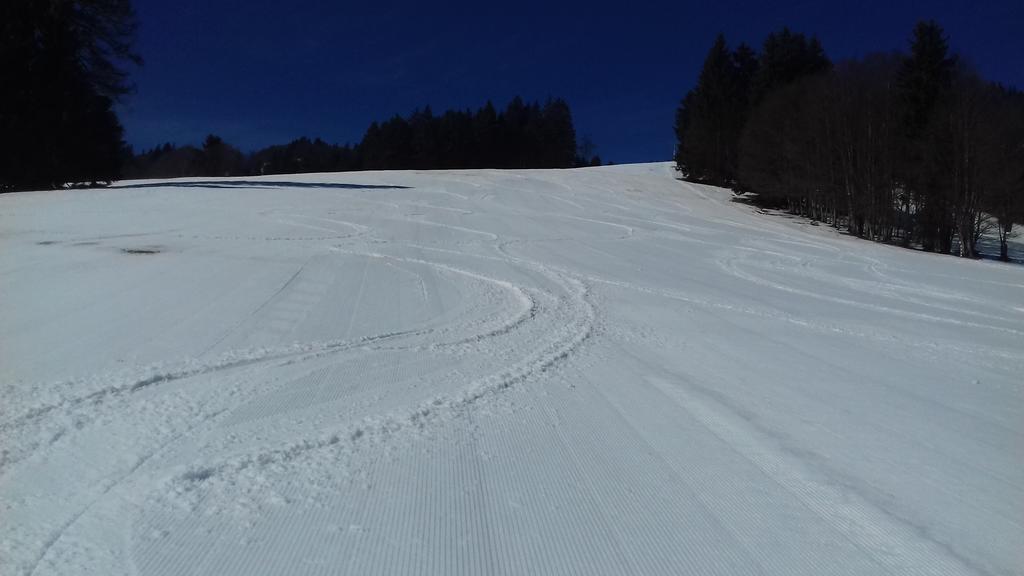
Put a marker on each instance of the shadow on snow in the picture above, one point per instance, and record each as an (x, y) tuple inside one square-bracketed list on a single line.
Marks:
[(262, 184)]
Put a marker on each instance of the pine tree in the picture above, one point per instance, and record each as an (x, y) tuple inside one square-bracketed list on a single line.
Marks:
[(218, 158), (61, 68), (426, 152), (926, 74), (558, 137), (745, 61), (709, 120), (786, 57), (513, 134), (93, 141), (486, 136)]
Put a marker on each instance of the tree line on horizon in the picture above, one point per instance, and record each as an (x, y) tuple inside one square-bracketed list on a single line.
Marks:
[(63, 68), (523, 135), (912, 149)]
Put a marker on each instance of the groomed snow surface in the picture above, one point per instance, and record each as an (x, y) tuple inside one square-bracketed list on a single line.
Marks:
[(596, 371)]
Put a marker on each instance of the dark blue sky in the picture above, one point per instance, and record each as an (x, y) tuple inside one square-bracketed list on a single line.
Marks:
[(260, 72)]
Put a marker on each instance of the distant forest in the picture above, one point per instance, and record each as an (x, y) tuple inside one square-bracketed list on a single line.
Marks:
[(909, 148), (524, 135), (914, 149), (64, 65)]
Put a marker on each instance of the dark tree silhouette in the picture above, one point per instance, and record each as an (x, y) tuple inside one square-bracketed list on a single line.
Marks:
[(710, 118), (166, 161), (926, 74), (218, 158), (525, 135), (557, 146), (62, 67), (1004, 198), (781, 153), (912, 149), (786, 57)]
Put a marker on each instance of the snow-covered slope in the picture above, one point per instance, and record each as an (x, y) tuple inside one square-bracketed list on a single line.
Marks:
[(598, 371)]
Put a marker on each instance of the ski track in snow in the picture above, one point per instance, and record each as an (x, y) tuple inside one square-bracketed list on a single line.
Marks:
[(595, 371)]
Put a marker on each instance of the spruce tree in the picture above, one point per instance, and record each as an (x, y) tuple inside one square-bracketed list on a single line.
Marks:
[(486, 136), (925, 75), (62, 66), (558, 137), (786, 57), (707, 122)]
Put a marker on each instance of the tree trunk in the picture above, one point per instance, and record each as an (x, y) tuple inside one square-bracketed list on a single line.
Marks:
[(1004, 234)]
